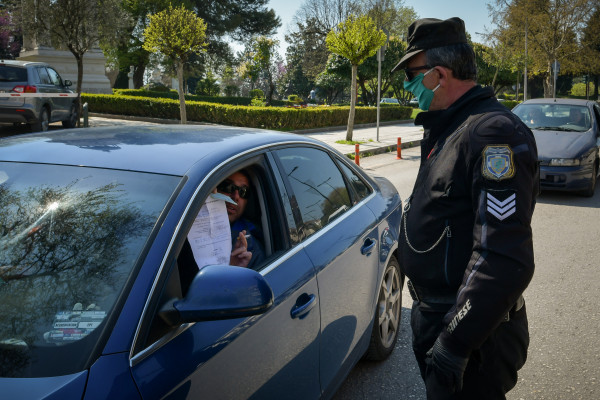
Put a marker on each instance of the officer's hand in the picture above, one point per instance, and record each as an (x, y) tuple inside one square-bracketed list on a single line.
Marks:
[(444, 372)]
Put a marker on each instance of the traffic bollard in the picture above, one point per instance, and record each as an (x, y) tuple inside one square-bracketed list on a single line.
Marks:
[(356, 155), (399, 149)]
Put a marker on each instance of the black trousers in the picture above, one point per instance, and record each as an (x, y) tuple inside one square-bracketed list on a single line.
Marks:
[(492, 369)]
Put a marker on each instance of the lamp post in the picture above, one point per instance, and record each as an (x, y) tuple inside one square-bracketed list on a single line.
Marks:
[(525, 72), (380, 58)]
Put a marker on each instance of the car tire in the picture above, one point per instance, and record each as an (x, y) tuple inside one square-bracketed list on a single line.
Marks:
[(41, 125), (386, 322), (73, 117), (589, 192)]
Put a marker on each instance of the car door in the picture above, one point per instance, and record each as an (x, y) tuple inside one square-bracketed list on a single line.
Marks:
[(269, 356), (340, 239), (62, 104)]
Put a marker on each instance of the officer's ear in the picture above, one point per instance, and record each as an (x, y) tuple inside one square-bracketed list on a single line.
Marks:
[(443, 75)]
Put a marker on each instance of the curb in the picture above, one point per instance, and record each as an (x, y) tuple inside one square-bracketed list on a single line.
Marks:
[(344, 127)]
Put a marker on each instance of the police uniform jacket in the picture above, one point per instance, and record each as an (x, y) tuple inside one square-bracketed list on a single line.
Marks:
[(466, 230)]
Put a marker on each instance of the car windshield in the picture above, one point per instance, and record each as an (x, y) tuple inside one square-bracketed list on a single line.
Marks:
[(70, 238), (555, 117)]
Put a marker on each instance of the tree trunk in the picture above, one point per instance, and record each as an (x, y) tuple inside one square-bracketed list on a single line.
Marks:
[(138, 75), (350, 127), (181, 93)]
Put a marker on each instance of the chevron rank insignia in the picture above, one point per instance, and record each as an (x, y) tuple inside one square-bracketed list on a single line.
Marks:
[(497, 162), (501, 205)]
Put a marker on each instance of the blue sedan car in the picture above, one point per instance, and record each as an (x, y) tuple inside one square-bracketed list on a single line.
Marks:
[(98, 301)]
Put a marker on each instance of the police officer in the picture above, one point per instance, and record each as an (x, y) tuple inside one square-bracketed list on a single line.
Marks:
[(466, 244)]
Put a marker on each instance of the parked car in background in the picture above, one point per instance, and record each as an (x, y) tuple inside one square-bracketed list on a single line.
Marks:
[(389, 100), (96, 300), (567, 133), (37, 111)]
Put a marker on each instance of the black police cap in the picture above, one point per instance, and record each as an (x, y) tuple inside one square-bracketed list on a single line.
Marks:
[(429, 33)]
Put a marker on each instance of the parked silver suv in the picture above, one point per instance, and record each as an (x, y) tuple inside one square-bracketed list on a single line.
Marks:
[(36, 111)]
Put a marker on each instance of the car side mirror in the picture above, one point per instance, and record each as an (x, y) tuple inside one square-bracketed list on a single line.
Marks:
[(67, 82), (220, 292)]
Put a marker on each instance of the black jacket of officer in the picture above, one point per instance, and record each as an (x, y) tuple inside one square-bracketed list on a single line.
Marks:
[(466, 230)]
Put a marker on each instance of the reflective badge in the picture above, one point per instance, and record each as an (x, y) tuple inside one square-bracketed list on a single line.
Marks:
[(498, 162)]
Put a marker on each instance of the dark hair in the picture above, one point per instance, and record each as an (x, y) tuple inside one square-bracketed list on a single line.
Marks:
[(460, 58)]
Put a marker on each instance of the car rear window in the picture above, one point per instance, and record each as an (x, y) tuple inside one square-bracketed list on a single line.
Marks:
[(70, 238), (12, 74)]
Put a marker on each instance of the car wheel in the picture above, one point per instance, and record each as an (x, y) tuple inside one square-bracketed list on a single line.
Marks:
[(589, 192), (41, 124), (73, 117), (387, 314)]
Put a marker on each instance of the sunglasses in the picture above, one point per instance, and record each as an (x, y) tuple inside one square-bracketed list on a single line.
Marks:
[(409, 72), (228, 187)]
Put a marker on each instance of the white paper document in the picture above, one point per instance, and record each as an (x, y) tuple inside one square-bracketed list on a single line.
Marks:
[(210, 236)]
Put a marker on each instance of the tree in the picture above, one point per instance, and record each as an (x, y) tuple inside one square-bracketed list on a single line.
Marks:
[(591, 48), (9, 44), (238, 19), (390, 15), (356, 39), (553, 29), (176, 33), (263, 61), (129, 50), (74, 25)]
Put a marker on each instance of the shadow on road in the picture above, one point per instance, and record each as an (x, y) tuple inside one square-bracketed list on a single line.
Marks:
[(569, 199)]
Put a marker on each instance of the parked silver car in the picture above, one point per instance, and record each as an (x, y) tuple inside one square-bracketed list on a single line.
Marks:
[(38, 112)]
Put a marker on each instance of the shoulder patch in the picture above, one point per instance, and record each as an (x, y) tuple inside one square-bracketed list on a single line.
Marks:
[(497, 163), (501, 204)]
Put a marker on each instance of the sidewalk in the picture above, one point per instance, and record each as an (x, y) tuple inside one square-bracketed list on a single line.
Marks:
[(389, 132)]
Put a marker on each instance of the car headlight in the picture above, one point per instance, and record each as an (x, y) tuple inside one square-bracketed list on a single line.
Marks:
[(565, 162)]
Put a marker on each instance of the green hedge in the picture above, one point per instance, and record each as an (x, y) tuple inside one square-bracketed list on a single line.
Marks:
[(278, 118), (172, 94), (510, 104)]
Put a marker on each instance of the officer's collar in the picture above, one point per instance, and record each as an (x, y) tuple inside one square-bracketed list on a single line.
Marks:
[(431, 119)]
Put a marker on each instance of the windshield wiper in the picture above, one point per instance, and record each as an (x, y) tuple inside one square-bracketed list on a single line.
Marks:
[(555, 128)]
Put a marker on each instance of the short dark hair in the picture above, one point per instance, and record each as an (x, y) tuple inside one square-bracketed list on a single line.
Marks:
[(460, 58)]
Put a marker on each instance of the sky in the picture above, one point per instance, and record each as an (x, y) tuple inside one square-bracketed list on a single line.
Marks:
[(473, 12)]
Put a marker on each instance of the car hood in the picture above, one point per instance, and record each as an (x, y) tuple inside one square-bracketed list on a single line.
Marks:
[(57, 387), (555, 144)]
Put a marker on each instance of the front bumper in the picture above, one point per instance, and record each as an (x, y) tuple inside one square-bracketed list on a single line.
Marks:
[(566, 178)]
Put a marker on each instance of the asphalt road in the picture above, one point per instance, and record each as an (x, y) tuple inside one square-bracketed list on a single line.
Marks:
[(562, 304)]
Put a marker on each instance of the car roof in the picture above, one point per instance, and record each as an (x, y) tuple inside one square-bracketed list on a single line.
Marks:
[(579, 102), (165, 149), (20, 63)]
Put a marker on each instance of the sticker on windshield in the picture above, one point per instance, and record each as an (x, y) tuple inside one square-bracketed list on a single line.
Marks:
[(74, 325), (497, 162)]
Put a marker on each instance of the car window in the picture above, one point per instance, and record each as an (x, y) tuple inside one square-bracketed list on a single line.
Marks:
[(12, 74), (54, 77), (558, 117), (319, 190), (361, 190), (44, 77), (70, 238), (212, 232)]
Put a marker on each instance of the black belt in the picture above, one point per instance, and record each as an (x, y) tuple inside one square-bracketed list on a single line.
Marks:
[(426, 296)]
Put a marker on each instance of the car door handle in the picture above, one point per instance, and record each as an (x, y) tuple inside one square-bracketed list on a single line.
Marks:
[(368, 246), (304, 304)]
